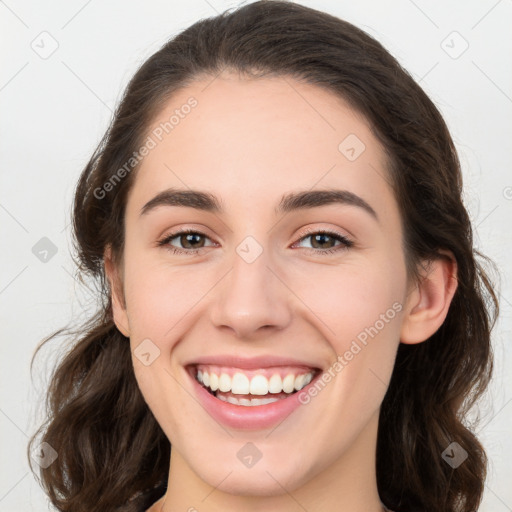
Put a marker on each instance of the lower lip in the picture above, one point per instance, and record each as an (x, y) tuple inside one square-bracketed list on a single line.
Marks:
[(247, 417)]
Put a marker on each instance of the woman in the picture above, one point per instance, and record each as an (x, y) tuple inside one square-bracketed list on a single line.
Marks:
[(293, 316)]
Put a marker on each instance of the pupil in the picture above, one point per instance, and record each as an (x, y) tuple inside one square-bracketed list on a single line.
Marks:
[(322, 236), (191, 235)]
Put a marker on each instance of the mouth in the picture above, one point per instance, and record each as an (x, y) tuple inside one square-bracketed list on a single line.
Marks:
[(252, 388)]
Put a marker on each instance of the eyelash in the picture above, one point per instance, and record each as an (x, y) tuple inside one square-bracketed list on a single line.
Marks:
[(345, 242)]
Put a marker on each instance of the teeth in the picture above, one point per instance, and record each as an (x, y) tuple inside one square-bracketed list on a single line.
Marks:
[(214, 382), (259, 385), (275, 384), (224, 382), (288, 383), (240, 384), (298, 382), (248, 403)]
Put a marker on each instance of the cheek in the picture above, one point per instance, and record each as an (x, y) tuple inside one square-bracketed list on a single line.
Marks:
[(159, 297), (350, 298)]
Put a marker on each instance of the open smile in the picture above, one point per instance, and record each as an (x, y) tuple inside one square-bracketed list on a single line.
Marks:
[(250, 398)]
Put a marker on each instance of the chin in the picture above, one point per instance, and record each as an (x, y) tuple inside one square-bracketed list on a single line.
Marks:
[(261, 480)]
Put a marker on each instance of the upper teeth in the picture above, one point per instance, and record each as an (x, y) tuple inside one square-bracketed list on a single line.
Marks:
[(259, 385)]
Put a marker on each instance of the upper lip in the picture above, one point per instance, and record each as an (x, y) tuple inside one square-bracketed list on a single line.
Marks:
[(250, 363)]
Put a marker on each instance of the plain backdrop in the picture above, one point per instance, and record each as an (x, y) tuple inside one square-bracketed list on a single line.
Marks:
[(64, 66)]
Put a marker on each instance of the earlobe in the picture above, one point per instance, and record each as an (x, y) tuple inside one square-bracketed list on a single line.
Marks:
[(117, 296), (428, 304)]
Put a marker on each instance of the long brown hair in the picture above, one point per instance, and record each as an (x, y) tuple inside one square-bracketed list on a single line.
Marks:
[(112, 454)]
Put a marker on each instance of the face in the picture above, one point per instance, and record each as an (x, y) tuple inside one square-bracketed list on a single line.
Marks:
[(265, 284)]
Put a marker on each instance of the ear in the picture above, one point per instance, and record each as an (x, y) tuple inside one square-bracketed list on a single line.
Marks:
[(117, 295), (428, 303)]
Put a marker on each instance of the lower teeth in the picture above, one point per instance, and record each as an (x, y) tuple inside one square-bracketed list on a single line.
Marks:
[(248, 400)]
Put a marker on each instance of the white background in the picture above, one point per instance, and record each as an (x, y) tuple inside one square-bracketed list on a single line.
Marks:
[(54, 111)]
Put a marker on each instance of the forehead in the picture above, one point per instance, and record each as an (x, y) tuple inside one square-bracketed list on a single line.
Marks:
[(251, 140)]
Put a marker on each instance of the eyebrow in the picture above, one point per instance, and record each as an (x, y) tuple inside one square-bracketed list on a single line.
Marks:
[(301, 200)]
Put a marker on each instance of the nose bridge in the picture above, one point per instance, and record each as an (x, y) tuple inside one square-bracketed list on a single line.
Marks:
[(251, 296)]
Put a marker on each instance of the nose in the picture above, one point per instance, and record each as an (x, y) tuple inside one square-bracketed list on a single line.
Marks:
[(252, 299)]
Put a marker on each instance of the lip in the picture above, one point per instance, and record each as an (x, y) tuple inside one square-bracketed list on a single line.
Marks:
[(241, 416), (250, 363)]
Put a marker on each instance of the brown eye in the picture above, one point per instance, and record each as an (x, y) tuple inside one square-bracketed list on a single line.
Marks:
[(190, 241), (324, 242)]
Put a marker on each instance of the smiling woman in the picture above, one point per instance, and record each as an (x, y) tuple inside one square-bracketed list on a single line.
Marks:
[(291, 298)]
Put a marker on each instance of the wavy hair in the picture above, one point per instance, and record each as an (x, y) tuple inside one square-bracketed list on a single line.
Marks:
[(112, 453)]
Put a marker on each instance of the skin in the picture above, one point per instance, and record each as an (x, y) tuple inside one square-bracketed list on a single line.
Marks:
[(249, 142)]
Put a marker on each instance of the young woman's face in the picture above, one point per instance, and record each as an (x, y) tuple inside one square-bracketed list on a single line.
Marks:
[(258, 291)]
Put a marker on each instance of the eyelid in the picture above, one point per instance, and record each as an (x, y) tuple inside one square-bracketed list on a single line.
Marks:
[(328, 231)]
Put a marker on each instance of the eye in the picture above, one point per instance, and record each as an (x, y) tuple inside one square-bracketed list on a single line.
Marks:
[(326, 237), (188, 238)]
